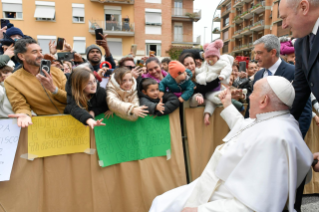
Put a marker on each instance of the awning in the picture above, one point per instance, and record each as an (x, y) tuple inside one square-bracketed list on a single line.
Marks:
[(44, 12), (78, 12)]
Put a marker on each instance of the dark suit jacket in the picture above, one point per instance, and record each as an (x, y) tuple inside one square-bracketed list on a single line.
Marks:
[(287, 70), (306, 74)]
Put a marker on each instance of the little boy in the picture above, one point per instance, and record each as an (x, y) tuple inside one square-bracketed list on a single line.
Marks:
[(178, 80), (149, 96)]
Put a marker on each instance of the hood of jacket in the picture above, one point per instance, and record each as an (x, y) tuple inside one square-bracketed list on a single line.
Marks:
[(125, 95)]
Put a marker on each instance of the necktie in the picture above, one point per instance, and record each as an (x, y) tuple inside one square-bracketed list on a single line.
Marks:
[(269, 73), (311, 40)]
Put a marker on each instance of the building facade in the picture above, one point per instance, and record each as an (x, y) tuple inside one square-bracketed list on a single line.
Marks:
[(148, 23), (241, 22)]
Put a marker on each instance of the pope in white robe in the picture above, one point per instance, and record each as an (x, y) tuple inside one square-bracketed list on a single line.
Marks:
[(258, 168)]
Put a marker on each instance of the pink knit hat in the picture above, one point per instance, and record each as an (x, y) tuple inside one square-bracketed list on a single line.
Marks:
[(286, 48), (212, 49)]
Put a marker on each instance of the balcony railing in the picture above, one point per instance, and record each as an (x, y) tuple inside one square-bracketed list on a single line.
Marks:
[(217, 16), (238, 31), (237, 48), (245, 28), (113, 27), (178, 38), (258, 23), (261, 4), (115, 1), (190, 13), (237, 1), (226, 11)]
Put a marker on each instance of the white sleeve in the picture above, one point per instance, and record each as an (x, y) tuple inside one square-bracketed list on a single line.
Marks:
[(2, 93), (223, 205), (231, 115)]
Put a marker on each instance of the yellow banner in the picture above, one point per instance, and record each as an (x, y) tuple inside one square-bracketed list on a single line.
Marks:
[(57, 135)]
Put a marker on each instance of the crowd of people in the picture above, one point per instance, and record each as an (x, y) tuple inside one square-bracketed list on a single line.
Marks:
[(134, 90)]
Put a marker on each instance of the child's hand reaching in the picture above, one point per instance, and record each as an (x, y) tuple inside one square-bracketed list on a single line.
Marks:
[(199, 99), (140, 111), (181, 100), (92, 123), (108, 114), (221, 78), (160, 107)]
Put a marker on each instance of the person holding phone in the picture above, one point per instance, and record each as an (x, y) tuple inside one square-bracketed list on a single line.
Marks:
[(28, 90)]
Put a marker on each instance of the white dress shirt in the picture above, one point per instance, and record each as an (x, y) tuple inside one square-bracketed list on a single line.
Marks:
[(273, 68), (315, 27)]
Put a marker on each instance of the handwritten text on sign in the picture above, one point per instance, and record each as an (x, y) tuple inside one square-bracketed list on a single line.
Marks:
[(9, 137), (57, 135)]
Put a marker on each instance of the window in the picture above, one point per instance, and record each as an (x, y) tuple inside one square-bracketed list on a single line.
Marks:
[(226, 21), (115, 45), (225, 47), (12, 9), (78, 13), (79, 44), (44, 11), (113, 17), (153, 17), (178, 32), (153, 45), (43, 41), (178, 7), (225, 35)]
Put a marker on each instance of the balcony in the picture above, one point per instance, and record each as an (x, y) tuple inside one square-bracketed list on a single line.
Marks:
[(226, 11), (222, 3), (258, 8), (246, 46), (216, 30), (260, 25), (246, 30), (238, 19), (247, 14), (186, 40), (237, 48), (115, 1), (247, 1), (237, 34), (180, 14), (112, 28), (217, 17), (239, 3)]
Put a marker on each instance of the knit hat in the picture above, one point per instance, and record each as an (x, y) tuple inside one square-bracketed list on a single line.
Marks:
[(282, 88), (286, 48), (11, 30), (175, 67), (212, 49), (89, 48)]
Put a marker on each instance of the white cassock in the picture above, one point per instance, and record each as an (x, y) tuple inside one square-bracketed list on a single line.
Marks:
[(258, 168)]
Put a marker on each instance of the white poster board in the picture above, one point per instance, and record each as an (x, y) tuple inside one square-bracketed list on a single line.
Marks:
[(9, 137)]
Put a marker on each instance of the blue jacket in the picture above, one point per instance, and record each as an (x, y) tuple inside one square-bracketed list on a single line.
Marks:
[(187, 86)]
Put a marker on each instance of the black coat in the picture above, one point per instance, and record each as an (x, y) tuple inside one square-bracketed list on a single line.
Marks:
[(306, 78), (171, 103), (97, 103)]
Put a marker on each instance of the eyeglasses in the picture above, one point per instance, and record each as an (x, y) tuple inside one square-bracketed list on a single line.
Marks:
[(130, 67)]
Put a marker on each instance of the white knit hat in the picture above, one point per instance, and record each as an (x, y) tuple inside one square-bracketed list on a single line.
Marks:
[(283, 89)]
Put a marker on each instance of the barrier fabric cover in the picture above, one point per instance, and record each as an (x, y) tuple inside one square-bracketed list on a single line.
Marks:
[(121, 140), (76, 182)]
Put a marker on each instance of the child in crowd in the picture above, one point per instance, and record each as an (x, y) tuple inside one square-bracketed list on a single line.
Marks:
[(149, 96), (122, 97), (85, 98), (5, 106), (178, 80), (215, 66)]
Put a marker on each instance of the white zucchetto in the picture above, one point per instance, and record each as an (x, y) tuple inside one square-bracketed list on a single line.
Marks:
[(283, 89)]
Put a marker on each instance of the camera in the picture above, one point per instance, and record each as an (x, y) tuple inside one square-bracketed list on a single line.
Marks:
[(66, 56), (45, 65)]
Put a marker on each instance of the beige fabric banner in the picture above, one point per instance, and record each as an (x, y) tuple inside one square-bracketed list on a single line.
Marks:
[(76, 183)]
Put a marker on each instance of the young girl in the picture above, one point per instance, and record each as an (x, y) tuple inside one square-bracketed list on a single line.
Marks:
[(215, 66), (122, 97), (85, 98)]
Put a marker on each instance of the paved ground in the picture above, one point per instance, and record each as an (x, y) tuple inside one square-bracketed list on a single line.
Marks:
[(310, 203)]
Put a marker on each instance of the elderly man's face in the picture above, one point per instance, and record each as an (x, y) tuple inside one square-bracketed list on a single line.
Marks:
[(256, 98), (294, 19), (262, 55), (33, 55)]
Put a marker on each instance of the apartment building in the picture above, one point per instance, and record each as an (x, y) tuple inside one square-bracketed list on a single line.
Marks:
[(241, 22), (151, 23)]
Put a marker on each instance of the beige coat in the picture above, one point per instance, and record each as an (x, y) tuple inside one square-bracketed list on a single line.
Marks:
[(122, 102)]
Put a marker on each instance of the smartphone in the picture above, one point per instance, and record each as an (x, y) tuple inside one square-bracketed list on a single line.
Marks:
[(4, 22), (66, 56), (242, 66), (108, 72), (97, 34), (140, 63), (134, 49), (60, 43), (45, 65)]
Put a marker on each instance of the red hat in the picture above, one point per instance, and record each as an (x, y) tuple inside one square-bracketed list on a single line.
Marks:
[(175, 67)]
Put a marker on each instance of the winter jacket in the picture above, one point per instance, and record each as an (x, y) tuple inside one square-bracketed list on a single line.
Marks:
[(97, 103), (169, 99), (187, 86), (222, 68), (122, 102)]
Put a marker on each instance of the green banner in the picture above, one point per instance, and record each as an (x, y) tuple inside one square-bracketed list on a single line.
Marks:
[(120, 140)]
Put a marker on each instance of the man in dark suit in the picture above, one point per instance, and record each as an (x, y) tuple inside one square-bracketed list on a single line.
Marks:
[(267, 51)]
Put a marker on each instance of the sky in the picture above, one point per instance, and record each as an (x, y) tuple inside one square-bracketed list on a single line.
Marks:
[(207, 8)]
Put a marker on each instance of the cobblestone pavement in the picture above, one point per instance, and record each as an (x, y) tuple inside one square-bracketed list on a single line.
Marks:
[(310, 203)]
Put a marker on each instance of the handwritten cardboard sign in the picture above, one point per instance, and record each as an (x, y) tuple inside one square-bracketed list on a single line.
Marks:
[(120, 140), (9, 137), (57, 135)]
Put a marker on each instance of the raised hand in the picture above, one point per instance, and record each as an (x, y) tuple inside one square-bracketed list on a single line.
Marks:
[(92, 123), (52, 47), (160, 107), (225, 97), (10, 51), (108, 114), (46, 81), (140, 111)]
